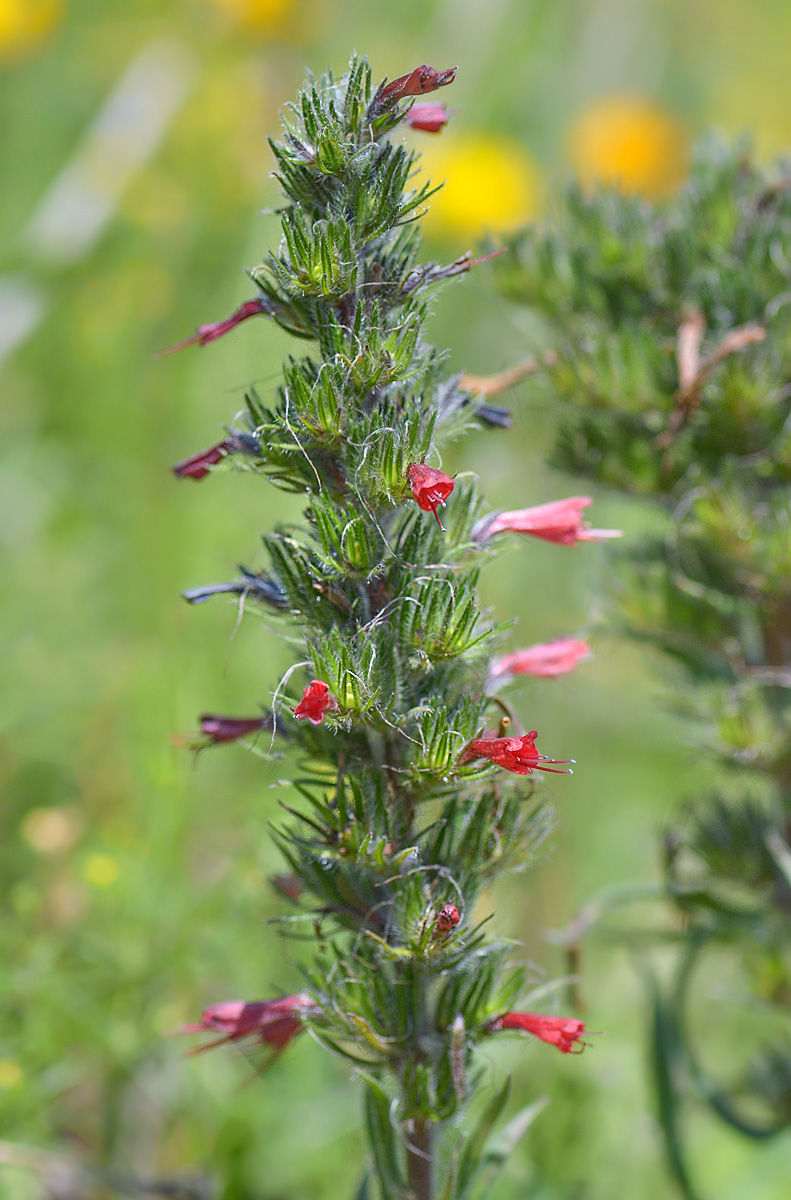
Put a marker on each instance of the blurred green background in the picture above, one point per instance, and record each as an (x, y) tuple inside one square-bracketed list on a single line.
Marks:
[(134, 887)]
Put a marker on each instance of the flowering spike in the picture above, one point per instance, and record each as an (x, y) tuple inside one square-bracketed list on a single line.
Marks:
[(558, 521), (428, 118), (389, 620), (563, 1032), (513, 754), (545, 660), (430, 488), (315, 701), (210, 333)]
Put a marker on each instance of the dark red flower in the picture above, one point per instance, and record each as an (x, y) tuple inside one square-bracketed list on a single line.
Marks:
[(513, 754), (315, 701), (428, 118), (197, 467), (563, 1032), (430, 487), (546, 659), (447, 918), (558, 521), (229, 729), (289, 886), (210, 333), (267, 1022), (417, 83)]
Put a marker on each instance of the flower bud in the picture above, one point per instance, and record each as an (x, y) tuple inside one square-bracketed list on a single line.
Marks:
[(417, 83)]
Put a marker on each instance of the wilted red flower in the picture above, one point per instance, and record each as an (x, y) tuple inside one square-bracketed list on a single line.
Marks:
[(558, 521), (546, 659), (563, 1032), (267, 1022), (210, 333), (314, 703), (430, 487), (428, 118), (197, 467), (447, 918), (229, 729), (417, 83), (513, 754)]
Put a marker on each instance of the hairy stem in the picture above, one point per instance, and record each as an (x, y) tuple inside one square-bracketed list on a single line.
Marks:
[(420, 1160)]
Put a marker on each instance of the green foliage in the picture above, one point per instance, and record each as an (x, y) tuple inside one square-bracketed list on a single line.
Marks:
[(669, 326)]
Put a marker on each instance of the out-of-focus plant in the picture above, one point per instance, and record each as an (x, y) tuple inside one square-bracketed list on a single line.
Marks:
[(665, 353), (412, 793)]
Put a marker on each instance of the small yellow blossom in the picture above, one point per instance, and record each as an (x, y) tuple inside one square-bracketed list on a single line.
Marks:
[(630, 143), (25, 23), (491, 184), (100, 870), (262, 16), (11, 1074)]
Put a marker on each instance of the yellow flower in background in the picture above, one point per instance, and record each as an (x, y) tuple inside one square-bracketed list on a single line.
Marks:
[(100, 870), (631, 143), (261, 16), (10, 1073), (491, 184), (25, 23)]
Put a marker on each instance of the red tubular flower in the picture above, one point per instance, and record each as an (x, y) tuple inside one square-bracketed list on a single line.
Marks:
[(288, 886), (546, 660), (197, 467), (229, 729), (430, 487), (513, 754), (559, 521), (428, 118), (314, 703), (563, 1032), (267, 1022), (447, 918), (417, 83), (210, 333)]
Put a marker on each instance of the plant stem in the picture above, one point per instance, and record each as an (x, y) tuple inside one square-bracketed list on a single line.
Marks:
[(420, 1162)]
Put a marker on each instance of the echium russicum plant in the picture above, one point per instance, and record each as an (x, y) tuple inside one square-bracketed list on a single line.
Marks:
[(413, 792), (665, 347)]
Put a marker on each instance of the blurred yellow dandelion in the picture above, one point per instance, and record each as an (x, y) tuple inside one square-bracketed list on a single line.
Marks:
[(11, 1074), (100, 870), (25, 23), (491, 183), (50, 830), (630, 143), (257, 15)]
